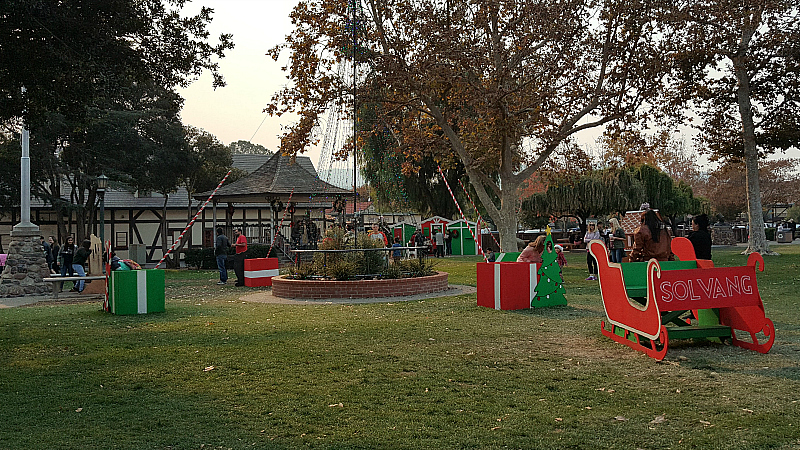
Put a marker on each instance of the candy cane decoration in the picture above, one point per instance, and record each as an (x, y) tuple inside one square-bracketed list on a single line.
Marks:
[(477, 243), (107, 246), (480, 219), (277, 230), (177, 241)]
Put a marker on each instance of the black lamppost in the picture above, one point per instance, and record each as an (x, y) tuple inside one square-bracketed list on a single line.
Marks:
[(102, 184)]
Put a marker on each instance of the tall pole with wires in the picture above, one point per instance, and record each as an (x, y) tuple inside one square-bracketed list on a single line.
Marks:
[(355, 114)]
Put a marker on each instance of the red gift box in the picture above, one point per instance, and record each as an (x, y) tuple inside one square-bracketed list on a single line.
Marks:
[(506, 285), (259, 271)]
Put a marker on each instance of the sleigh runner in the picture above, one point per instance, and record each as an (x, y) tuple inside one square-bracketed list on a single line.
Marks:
[(648, 304)]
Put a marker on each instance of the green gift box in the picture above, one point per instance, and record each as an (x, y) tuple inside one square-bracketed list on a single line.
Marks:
[(136, 291)]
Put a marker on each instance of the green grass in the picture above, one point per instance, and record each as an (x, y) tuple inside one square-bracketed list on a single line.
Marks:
[(438, 373)]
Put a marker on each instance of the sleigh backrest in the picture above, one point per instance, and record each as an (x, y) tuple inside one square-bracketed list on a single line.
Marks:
[(634, 274)]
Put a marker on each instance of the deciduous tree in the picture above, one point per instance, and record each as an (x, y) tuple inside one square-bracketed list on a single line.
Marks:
[(739, 63), (500, 84), (99, 79), (248, 148)]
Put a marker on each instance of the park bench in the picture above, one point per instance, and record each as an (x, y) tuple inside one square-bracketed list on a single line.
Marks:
[(56, 280), (648, 304), (566, 244)]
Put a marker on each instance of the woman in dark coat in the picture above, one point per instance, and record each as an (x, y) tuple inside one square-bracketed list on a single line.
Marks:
[(700, 237)]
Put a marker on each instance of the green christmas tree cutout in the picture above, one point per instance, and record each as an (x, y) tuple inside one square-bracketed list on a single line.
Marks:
[(550, 288)]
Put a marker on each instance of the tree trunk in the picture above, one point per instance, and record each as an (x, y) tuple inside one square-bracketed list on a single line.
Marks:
[(757, 239), (507, 220)]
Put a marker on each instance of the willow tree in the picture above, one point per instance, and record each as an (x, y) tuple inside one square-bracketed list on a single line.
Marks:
[(597, 193), (740, 62), (499, 84), (671, 199)]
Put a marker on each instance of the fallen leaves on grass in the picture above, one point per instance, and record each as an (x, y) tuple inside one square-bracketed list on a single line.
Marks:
[(335, 405), (209, 369), (620, 418), (659, 419)]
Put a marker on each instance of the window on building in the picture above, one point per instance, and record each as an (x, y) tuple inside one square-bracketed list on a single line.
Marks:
[(121, 240)]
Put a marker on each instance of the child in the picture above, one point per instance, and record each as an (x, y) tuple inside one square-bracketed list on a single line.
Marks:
[(562, 261), (396, 254)]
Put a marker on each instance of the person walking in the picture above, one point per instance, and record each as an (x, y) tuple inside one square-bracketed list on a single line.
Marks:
[(78, 261), (66, 254), (617, 241), (238, 259), (221, 245), (591, 234), (439, 244)]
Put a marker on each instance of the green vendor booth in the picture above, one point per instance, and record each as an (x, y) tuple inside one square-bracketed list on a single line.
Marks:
[(462, 242)]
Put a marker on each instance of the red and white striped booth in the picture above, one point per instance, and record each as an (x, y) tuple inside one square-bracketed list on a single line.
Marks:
[(259, 271), (506, 285)]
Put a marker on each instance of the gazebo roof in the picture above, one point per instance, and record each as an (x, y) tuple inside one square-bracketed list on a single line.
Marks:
[(276, 179)]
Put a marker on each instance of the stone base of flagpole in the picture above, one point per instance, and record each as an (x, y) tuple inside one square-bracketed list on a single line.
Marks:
[(26, 266)]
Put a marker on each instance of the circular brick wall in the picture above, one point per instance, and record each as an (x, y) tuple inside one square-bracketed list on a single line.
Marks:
[(319, 289)]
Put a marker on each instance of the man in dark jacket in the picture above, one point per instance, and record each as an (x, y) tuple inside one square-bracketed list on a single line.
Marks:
[(79, 260), (221, 252)]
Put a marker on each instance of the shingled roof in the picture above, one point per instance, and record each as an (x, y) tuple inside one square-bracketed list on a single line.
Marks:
[(275, 180)]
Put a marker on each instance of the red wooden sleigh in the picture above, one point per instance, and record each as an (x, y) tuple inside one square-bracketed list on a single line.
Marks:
[(649, 304)]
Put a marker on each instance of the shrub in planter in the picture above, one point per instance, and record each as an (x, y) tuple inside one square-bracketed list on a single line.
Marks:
[(202, 258), (392, 271), (418, 267), (303, 272), (342, 270)]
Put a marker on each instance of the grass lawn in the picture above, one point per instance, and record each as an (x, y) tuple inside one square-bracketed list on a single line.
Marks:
[(214, 372)]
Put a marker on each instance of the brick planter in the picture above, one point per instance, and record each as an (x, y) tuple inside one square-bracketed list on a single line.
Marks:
[(319, 289)]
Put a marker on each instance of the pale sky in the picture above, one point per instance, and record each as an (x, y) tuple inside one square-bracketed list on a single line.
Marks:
[(234, 112)]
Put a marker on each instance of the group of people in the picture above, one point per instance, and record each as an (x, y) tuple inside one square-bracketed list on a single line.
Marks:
[(439, 245), (68, 259), (221, 246), (651, 240)]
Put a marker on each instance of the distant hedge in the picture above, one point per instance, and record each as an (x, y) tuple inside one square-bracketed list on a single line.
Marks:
[(203, 258)]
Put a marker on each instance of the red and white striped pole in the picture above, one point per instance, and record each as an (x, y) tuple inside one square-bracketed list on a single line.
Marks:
[(278, 229), (177, 241), (480, 219), (477, 243)]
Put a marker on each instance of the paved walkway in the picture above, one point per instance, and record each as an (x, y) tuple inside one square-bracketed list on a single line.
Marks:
[(68, 298), (64, 298)]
